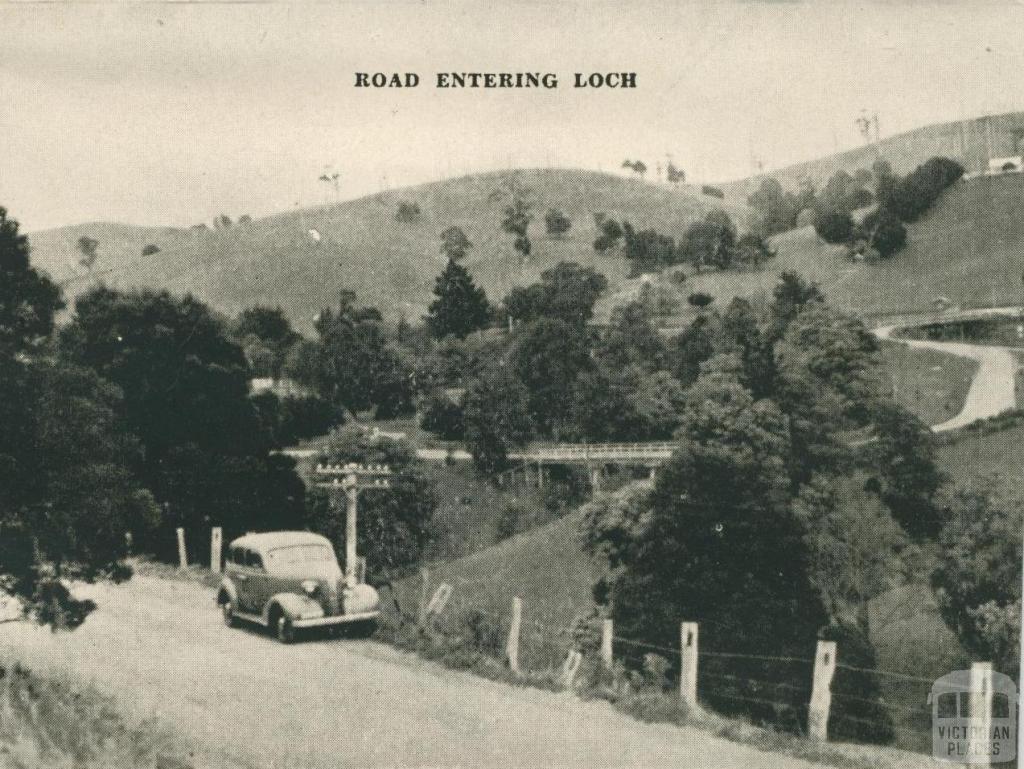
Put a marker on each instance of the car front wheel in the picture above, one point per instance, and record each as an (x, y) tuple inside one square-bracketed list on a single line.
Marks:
[(285, 630), (227, 610)]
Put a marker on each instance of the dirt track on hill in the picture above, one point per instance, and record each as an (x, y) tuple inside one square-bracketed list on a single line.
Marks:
[(240, 699), (993, 389)]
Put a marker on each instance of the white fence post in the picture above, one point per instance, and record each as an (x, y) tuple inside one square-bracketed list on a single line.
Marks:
[(688, 663), (182, 556), (439, 599), (981, 704), (606, 643), (821, 691), (424, 593), (571, 667), (215, 549), (512, 647)]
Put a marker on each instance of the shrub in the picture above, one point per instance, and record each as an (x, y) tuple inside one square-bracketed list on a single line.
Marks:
[(407, 212), (833, 226), (886, 231), (557, 223), (150, 249), (918, 191), (307, 416), (714, 192), (443, 417)]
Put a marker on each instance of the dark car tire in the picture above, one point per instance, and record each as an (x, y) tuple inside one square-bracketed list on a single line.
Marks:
[(227, 610), (285, 630), (363, 629)]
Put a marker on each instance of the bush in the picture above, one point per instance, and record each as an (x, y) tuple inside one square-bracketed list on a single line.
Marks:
[(307, 416), (441, 416), (150, 249), (714, 192), (833, 226), (918, 191), (887, 235), (407, 212), (557, 223)]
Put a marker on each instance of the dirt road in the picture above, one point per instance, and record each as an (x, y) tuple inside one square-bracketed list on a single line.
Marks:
[(992, 390), (243, 700)]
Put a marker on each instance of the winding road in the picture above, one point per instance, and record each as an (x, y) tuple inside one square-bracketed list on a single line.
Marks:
[(993, 389)]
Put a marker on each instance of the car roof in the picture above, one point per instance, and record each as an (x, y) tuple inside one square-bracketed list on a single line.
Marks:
[(271, 539)]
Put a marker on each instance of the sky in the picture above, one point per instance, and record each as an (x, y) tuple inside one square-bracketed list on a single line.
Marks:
[(169, 114)]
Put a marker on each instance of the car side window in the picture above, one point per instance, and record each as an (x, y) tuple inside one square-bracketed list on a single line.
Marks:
[(235, 556), (253, 560)]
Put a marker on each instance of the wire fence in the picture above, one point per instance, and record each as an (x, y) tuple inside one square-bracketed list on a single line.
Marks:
[(868, 705)]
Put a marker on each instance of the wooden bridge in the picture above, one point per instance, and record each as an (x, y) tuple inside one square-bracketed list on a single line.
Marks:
[(596, 453)]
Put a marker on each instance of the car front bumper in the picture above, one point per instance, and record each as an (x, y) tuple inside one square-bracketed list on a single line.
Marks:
[(339, 619)]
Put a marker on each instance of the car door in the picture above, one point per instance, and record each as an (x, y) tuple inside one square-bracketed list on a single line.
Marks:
[(240, 576), (258, 583)]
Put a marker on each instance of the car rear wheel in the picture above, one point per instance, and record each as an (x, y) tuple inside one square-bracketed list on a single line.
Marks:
[(227, 610), (285, 630)]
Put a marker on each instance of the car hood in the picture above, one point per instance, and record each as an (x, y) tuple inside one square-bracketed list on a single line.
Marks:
[(328, 571)]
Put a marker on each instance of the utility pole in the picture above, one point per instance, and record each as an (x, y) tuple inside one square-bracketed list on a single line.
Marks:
[(352, 478)]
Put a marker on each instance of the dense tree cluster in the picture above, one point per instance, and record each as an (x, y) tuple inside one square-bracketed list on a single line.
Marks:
[(899, 200), (710, 243)]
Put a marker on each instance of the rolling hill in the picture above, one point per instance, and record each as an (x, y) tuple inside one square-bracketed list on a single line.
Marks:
[(970, 142), (392, 265)]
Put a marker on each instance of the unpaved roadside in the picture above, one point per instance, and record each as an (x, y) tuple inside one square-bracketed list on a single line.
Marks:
[(240, 699)]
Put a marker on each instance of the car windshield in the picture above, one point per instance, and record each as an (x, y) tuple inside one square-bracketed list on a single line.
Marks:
[(295, 554)]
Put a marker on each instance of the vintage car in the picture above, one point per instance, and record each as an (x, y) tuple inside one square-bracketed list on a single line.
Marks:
[(290, 580)]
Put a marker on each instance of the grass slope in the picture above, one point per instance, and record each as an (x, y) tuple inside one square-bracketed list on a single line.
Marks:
[(967, 248), (362, 247), (970, 142)]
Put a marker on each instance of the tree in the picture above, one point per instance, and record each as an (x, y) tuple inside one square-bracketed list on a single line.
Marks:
[(674, 175), (699, 547), (89, 249), (28, 300), (442, 416), (833, 226), (266, 336), (694, 346), (908, 477), (567, 292), (150, 249), (775, 212), (186, 397), (393, 522), (977, 579), (886, 233), (751, 251), (611, 233), (353, 365), (496, 416), (557, 223), (547, 356), (460, 306), (631, 340), (790, 295), (517, 222), (454, 243), (67, 494), (710, 242)]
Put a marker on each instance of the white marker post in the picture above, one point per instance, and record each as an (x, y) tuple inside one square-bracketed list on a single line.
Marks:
[(216, 537), (821, 691), (182, 556)]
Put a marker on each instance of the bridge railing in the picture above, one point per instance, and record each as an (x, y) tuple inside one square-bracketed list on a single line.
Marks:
[(579, 452)]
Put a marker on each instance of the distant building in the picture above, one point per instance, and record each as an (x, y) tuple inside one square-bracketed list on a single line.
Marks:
[(1007, 165)]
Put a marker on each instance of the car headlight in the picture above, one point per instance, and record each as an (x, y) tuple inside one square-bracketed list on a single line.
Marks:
[(310, 586)]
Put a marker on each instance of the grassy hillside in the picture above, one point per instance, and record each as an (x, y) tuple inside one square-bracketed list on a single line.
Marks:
[(968, 248), (362, 247), (970, 142)]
